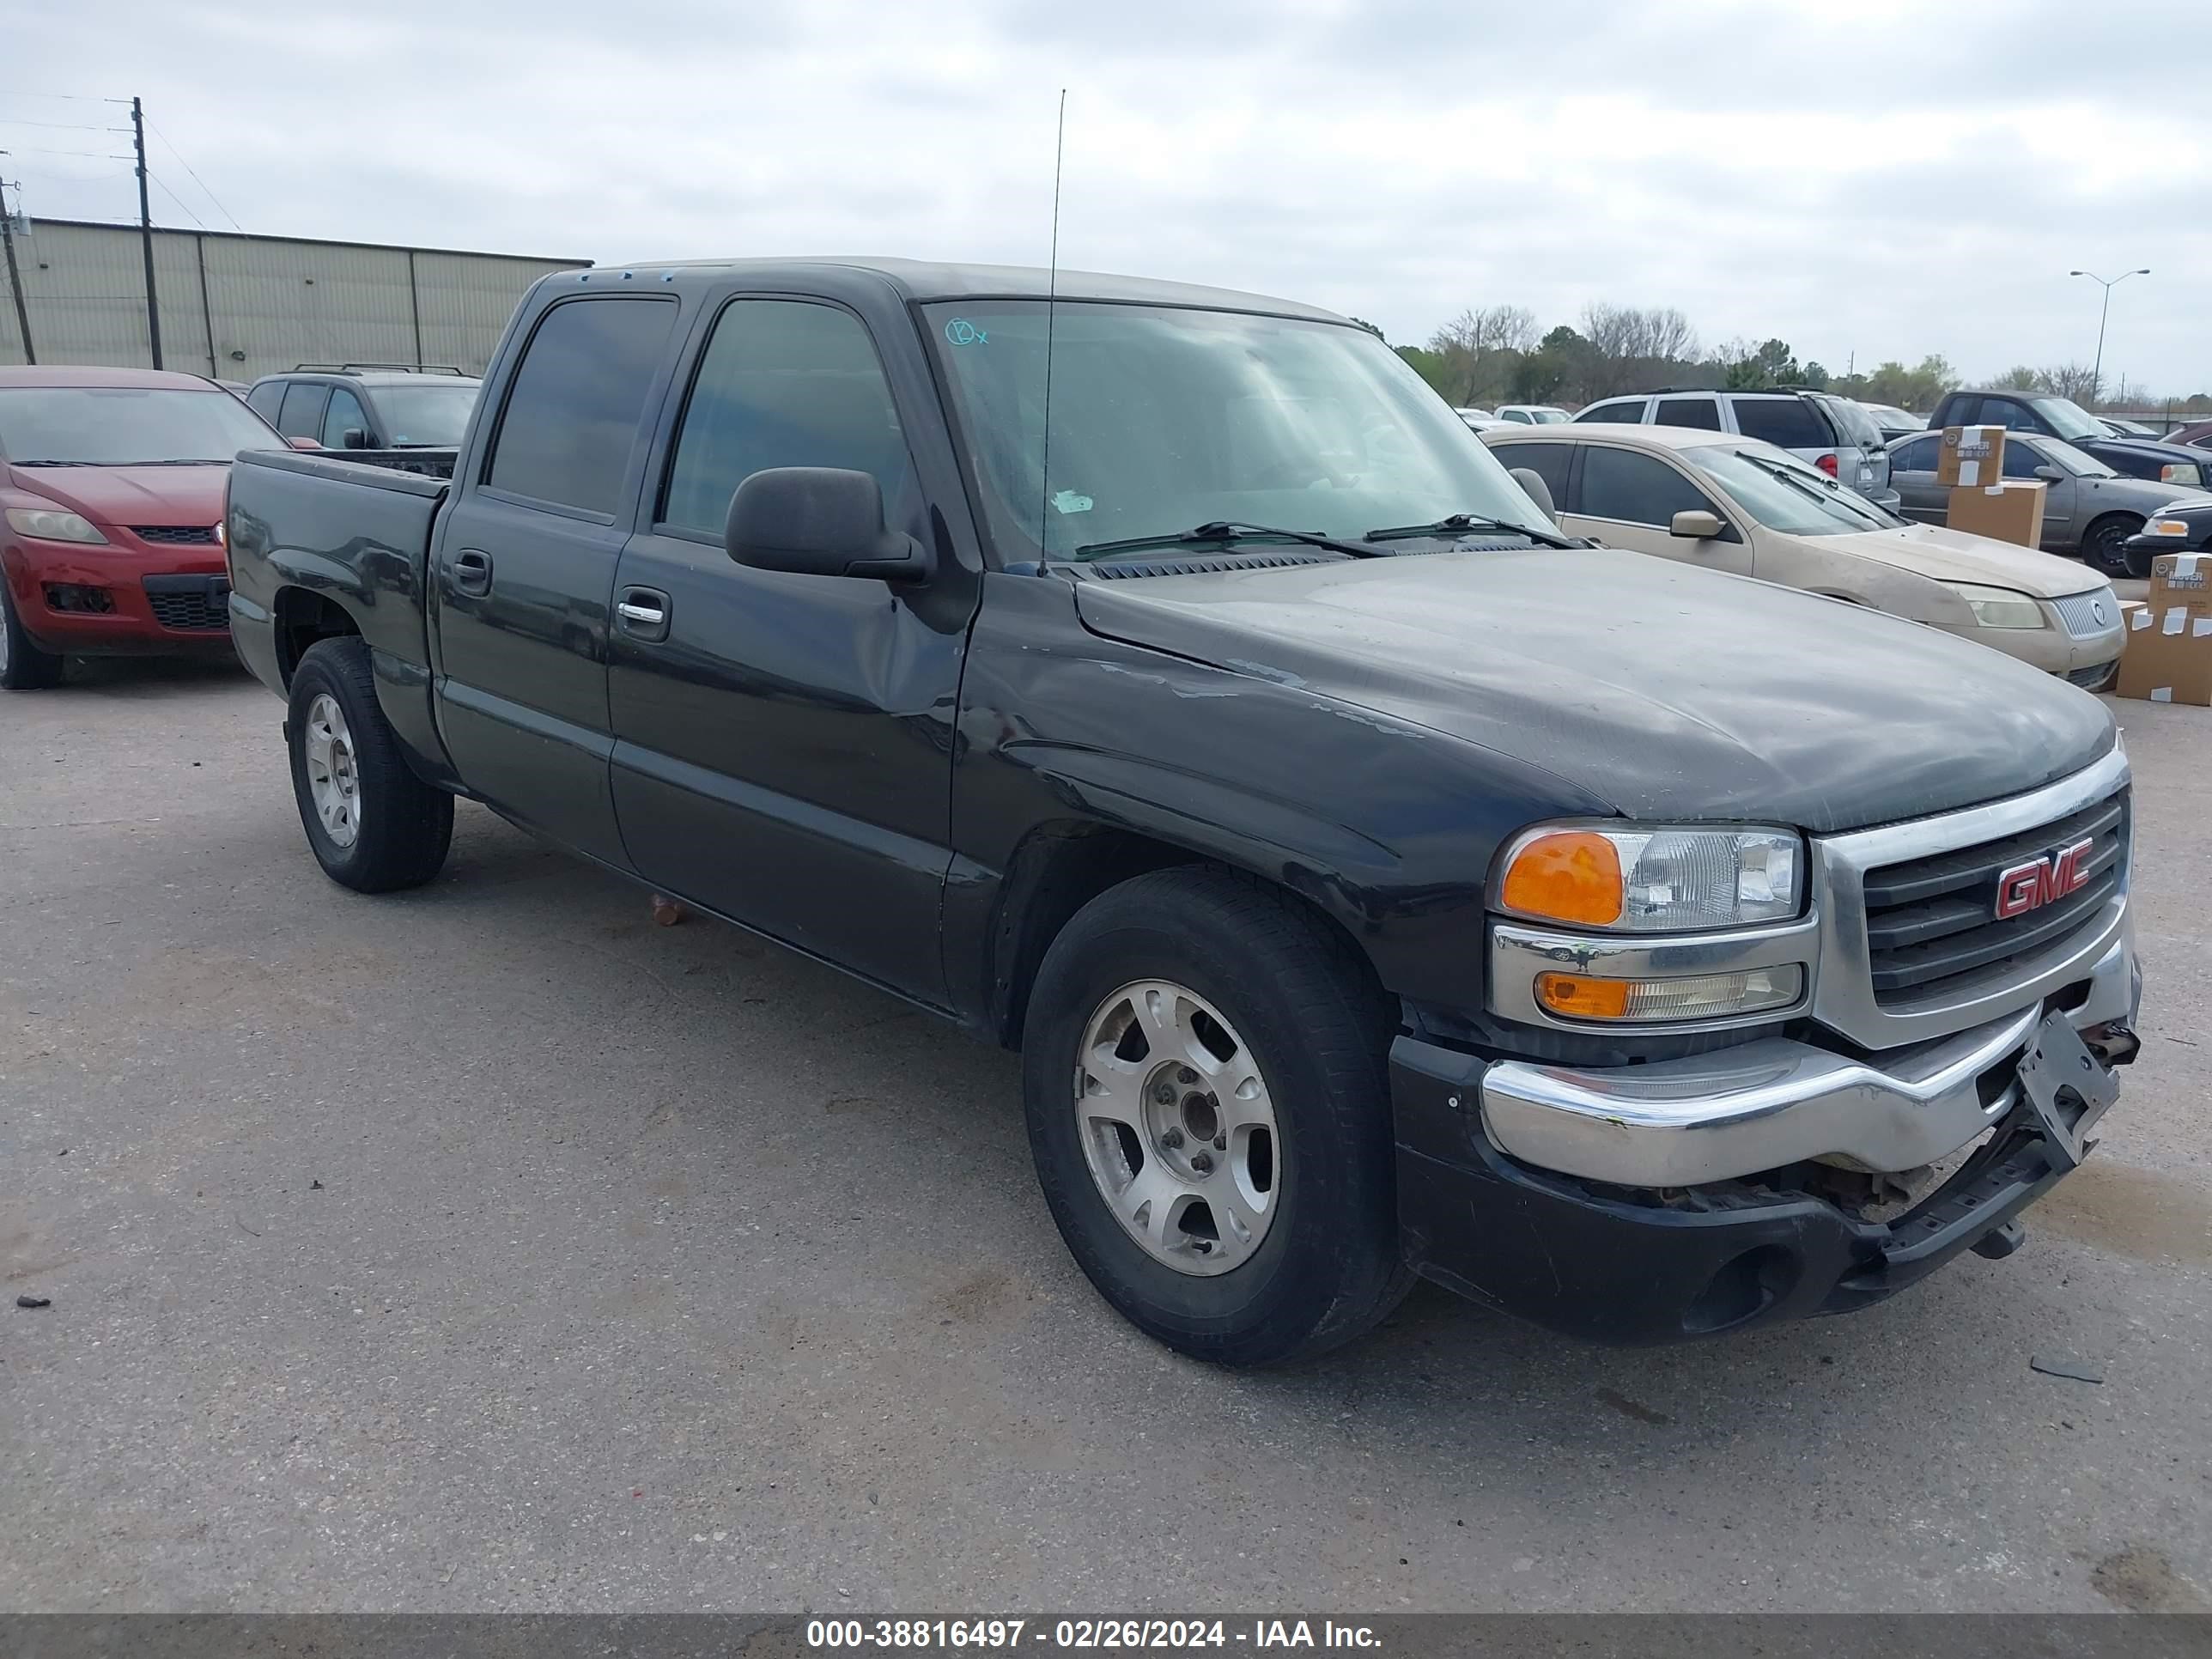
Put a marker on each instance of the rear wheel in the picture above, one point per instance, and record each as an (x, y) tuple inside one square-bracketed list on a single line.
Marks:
[(2102, 546), (23, 666), (373, 824), (1208, 1106)]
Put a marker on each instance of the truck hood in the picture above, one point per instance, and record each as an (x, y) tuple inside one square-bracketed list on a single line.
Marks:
[(131, 494), (1952, 555), (1666, 692)]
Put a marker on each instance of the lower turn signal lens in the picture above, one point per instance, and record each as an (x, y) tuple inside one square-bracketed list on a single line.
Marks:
[(1703, 996)]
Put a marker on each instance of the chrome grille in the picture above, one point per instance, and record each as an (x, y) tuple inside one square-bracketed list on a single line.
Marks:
[(2079, 612), (1947, 858), (1932, 922)]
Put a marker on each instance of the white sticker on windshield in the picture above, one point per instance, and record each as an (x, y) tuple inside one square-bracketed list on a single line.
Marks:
[(1066, 500)]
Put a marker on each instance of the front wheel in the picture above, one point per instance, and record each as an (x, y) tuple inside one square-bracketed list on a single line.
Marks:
[(23, 666), (1204, 1073), (2104, 546), (373, 824)]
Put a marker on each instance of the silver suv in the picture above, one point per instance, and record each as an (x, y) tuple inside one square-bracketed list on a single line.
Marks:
[(1832, 432)]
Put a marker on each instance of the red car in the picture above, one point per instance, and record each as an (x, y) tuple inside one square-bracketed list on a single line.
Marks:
[(111, 506)]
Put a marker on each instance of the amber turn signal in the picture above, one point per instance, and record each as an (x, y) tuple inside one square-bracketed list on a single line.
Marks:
[(1565, 875), (1577, 996)]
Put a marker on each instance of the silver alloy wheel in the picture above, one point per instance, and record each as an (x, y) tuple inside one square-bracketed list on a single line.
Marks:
[(332, 779), (1177, 1127), (5, 648)]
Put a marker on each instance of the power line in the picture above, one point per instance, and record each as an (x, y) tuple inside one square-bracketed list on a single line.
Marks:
[(196, 180), (97, 155), (58, 126), (67, 97), (179, 200)]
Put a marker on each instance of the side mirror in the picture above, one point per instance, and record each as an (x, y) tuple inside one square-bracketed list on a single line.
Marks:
[(2051, 473), (819, 521), (1533, 486), (1695, 525), (303, 443), (353, 438)]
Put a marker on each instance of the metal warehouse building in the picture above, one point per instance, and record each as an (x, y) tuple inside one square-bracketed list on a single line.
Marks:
[(234, 306)]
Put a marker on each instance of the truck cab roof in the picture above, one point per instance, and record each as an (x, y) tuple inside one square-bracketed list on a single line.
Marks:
[(921, 281)]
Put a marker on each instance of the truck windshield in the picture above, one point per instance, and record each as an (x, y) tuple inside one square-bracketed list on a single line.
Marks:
[(2068, 419), (126, 425), (1165, 418), (426, 416)]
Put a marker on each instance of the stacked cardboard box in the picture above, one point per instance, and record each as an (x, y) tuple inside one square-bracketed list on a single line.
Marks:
[(2168, 654), (1984, 502)]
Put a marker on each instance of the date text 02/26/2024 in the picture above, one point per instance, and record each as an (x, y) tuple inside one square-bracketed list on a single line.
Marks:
[(830, 1635)]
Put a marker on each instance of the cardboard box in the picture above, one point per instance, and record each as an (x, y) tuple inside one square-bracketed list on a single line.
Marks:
[(2168, 656), (1972, 456), (2010, 512)]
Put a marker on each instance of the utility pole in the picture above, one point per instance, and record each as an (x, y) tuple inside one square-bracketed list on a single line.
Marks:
[(15, 274), (2097, 374), (146, 232)]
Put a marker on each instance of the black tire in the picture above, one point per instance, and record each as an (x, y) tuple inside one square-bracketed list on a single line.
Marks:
[(1330, 1266), (23, 666), (2101, 548), (403, 824)]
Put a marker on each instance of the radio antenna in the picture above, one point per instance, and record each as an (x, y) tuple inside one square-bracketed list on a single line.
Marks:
[(1051, 310)]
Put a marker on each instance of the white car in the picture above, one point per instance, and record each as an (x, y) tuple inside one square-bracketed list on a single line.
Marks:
[(1478, 419), (1532, 414)]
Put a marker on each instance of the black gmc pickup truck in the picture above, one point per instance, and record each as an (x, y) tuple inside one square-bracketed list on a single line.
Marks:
[(1376, 884)]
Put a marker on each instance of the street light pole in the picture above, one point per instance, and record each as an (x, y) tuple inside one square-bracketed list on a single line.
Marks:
[(2097, 374)]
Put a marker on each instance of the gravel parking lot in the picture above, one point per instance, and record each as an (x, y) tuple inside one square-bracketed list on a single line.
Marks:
[(489, 1247)]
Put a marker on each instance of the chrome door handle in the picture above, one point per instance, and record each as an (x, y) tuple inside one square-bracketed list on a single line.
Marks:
[(646, 615)]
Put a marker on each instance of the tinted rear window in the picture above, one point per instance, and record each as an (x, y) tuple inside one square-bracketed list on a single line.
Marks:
[(1792, 422), (572, 411), (1703, 412)]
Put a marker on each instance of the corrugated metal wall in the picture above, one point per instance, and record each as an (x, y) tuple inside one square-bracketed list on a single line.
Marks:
[(237, 307)]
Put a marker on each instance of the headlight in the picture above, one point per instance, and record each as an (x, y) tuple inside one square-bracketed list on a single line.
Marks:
[(1999, 607), (52, 524), (1653, 880), (2167, 527)]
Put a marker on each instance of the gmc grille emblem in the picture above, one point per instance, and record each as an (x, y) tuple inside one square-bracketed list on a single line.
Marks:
[(2032, 885)]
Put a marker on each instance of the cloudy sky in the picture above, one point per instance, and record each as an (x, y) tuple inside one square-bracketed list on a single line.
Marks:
[(1883, 178)]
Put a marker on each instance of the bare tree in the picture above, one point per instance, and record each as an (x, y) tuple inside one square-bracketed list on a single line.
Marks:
[(1480, 347), (1630, 347)]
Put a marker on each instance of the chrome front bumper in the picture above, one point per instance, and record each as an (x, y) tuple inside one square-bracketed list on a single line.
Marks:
[(1712, 1117)]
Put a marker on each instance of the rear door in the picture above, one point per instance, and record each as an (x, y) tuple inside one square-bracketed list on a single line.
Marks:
[(525, 564), (1912, 474), (1793, 423), (301, 413), (1699, 409), (1629, 498), (784, 742)]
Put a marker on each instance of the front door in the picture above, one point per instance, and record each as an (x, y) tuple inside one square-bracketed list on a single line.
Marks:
[(524, 563), (1629, 498), (784, 742), (2023, 460)]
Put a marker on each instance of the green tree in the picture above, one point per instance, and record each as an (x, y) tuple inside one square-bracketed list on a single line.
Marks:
[(1770, 364), (1361, 322), (2018, 378)]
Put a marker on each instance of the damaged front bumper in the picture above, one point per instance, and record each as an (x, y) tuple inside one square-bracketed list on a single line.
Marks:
[(1615, 1204)]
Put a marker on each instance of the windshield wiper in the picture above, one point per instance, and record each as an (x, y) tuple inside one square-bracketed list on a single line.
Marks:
[(1831, 494), (1460, 524), (61, 463), (1219, 534), (194, 460)]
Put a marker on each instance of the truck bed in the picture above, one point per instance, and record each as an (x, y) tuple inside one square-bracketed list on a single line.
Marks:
[(355, 531)]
